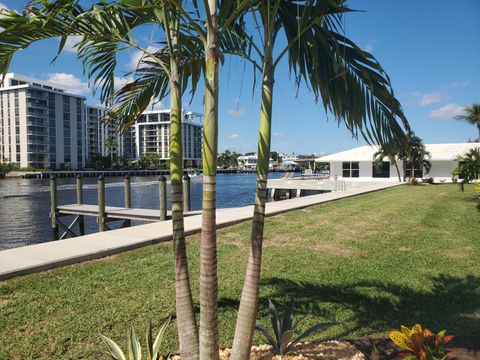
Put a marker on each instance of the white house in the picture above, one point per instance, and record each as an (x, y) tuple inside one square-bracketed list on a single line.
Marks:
[(359, 163), (249, 162)]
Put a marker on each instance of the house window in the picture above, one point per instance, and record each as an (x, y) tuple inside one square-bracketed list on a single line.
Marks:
[(418, 173), (350, 169), (381, 170)]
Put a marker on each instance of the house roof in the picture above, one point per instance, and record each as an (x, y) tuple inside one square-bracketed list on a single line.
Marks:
[(439, 152)]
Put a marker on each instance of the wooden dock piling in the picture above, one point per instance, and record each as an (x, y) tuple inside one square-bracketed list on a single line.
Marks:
[(186, 193), (162, 180), (53, 206), (81, 219), (128, 198), (101, 203)]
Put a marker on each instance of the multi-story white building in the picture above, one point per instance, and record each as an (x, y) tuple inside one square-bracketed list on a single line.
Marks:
[(41, 125), (151, 134), (102, 139)]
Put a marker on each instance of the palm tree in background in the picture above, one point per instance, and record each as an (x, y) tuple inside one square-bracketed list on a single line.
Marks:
[(414, 155), (469, 166), (472, 116), (111, 144), (351, 84), (390, 151)]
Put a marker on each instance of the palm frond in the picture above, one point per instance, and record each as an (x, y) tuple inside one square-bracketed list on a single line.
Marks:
[(350, 82)]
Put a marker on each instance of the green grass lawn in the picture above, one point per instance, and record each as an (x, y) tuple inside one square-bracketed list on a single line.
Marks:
[(367, 263)]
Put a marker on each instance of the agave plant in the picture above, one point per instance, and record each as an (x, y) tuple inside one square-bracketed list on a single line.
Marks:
[(421, 343), (283, 329), (134, 347)]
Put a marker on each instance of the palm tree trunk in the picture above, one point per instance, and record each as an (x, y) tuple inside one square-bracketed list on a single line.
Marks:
[(398, 172), (208, 241), (247, 313), (186, 323), (478, 127)]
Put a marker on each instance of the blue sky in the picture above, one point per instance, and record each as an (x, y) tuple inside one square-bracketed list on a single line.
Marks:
[(429, 48)]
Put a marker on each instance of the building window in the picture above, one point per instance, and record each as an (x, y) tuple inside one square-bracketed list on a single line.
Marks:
[(417, 173), (351, 169), (381, 169)]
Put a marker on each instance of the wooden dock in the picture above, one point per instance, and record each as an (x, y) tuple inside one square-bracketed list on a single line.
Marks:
[(117, 213), (106, 214), (302, 186)]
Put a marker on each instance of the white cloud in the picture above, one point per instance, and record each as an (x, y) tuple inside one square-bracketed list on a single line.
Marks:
[(277, 134), (138, 55), (237, 113), (71, 42), (3, 7), (120, 81), (73, 84), (429, 98), (369, 48), (447, 112), (233, 136), (457, 84)]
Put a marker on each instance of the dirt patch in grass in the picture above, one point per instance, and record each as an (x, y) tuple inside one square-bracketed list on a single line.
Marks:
[(288, 242), (335, 249), (459, 253), (6, 300), (404, 249)]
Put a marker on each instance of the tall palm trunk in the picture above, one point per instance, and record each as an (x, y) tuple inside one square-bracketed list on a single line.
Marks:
[(208, 241), (478, 127), (186, 323), (247, 313), (398, 171)]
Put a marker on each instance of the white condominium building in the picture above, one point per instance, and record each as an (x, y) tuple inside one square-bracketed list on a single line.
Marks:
[(41, 125), (102, 140), (151, 134)]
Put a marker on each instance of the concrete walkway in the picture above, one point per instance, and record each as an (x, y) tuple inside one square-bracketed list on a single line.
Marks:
[(40, 257)]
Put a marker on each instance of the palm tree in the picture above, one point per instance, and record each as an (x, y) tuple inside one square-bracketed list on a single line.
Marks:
[(472, 116), (414, 154), (111, 144), (219, 17), (391, 151), (469, 165), (104, 28), (351, 84)]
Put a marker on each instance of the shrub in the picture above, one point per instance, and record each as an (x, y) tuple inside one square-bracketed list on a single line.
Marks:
[(283, 329), (421, 344), (414, 181), (428, 180)]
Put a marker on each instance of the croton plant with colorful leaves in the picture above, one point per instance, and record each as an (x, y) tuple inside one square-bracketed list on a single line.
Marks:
[(421, 343)]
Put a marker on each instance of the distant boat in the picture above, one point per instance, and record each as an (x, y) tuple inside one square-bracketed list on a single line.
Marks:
[(194, 174)]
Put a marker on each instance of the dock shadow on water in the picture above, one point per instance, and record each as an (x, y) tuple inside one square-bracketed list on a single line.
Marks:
[(375, 307)]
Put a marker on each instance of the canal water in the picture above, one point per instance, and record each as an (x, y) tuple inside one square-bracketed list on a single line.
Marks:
[(25, 203)]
